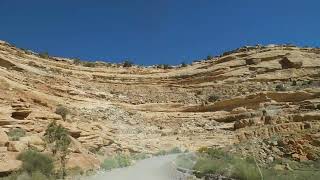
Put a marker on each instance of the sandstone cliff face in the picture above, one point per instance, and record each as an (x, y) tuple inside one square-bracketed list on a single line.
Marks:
[(251, 92)]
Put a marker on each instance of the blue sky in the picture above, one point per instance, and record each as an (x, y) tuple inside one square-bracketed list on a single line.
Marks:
[(155, 31)]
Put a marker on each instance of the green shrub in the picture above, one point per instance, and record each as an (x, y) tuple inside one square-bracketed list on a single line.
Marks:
[(208, 166), (25, 176), (183, 64), (33, 162), (117, 161), (244, 170), (44, 55), (294, 83), (161, 153), (123, 160), (37, 175), (186, 161), (213, 98), (230, 167), (58, 140), (16, 133), (12, 176), (280, 87), (127, 63), (209, 57), (166, 66), (62, 111), (109, 164), (89, 64), (140, 156), (218, 162), (76, 61), (174, 150)]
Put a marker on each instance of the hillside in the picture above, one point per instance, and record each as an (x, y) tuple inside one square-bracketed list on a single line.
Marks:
[(254, 92)]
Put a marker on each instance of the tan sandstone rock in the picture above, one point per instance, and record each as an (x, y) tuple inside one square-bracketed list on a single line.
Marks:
[(4, 139)]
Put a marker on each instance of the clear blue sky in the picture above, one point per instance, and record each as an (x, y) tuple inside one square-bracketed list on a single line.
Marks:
[(155, 31)]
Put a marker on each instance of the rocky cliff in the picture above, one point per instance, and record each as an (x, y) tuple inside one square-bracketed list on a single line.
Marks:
[(251, 92)]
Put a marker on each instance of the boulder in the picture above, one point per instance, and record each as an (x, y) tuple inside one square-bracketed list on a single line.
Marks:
[(8, 163), (33, 139), (4, 139), (83, 161), (17, 146), (9, 166), (312, 156), (76, 147)]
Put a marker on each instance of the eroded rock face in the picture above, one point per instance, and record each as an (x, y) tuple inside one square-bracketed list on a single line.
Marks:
[(20, 110), (291, 61), (113, 109), (9, 65), (253, 61)]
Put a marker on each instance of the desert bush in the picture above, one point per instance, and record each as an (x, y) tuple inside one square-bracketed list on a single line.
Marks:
[(37, 175), (174, 150), (44, 55), (183, 64), (166, 66), (203, 149), (33, 162), (58, 139), (308, 82), (213, 98), (218, 162), (280, 87), (123, 160), (109, 164), (89, 64), (117, 161), (163, 66), (16, 133), (161, 153), (25, 176), (127, 63), (62, 111), (294, 83), (209, 57), (186, 161), (76, 61), (140, 156)]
